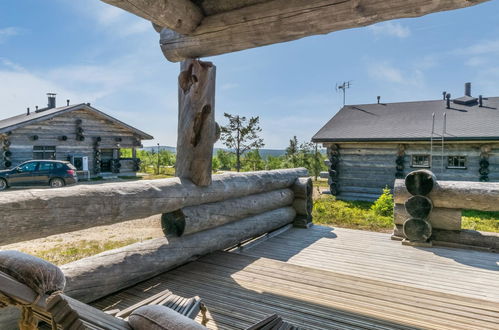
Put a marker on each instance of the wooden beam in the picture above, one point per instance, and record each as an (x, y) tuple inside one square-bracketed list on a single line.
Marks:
[(94, 277), (196, 132), (285, 20), (37, 213), (481, 196), (182, 16)]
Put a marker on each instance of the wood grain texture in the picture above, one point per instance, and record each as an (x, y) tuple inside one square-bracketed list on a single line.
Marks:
[(113, 270), (285, 20), (440, 218), (481, 196), (196, 132), (179, 15), (39, 213), (202, 217)]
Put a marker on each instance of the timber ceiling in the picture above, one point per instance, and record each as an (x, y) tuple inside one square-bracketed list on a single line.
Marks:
[(212, 7)]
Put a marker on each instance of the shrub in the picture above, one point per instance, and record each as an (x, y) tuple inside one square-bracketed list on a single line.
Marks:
[(384, 205)]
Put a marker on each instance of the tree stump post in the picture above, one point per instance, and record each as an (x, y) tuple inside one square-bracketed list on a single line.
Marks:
[(196, 121)]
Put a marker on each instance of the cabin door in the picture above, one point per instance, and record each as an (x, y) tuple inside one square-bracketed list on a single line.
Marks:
[(106, 159)]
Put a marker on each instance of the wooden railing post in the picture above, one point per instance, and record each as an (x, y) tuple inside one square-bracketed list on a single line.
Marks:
[(196, 121)]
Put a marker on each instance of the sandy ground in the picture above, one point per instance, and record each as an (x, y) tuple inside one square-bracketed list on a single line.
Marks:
[(141, 229)]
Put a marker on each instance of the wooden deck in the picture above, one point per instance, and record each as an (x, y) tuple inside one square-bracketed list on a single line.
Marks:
[(324, 278)]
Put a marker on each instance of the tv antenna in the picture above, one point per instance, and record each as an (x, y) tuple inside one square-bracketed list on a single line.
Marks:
[(343, 87)]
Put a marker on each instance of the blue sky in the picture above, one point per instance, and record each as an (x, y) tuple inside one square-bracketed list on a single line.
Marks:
[(88, 51)]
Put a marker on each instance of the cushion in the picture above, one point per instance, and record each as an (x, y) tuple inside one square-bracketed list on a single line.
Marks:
[(39, 275), (156, 317)]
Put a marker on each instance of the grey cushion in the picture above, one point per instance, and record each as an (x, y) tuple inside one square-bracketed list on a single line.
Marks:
[(155, 317), (40, 275)]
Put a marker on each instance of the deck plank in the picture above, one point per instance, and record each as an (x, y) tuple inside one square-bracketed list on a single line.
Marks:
[(324, 278)]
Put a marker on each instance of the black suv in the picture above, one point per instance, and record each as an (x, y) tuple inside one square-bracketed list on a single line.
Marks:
[(55, 173)]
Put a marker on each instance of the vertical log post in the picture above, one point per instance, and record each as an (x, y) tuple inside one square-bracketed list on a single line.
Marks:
[(196, 121)]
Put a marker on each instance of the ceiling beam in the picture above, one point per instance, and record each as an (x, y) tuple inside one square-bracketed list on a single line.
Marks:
[(182, 16), (285, 20)]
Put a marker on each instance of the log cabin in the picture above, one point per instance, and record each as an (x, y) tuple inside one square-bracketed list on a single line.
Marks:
[(370, 145), (87, 137)]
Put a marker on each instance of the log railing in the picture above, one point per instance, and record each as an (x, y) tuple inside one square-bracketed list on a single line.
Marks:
[(427, 207)]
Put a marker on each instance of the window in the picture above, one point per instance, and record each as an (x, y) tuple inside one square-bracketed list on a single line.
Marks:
[(420, 161), (456, 162), (43, 152), (28, 167), (44, 166)]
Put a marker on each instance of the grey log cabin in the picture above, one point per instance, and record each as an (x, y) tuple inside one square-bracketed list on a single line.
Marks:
[(369, 145), (81, 134)]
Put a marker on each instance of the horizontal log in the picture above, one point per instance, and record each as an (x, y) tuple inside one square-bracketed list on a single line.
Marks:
[(194, 219), (39, 213), (97, 276), (284, 20), (179, 15), (440, 218), (482, 196), (467, 237)]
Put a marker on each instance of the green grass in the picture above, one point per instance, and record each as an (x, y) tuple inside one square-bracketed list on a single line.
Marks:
[(355, 215), (64, 254), (480, 220)]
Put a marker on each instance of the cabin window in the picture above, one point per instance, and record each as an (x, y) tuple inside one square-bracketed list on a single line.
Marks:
[(456, 162), (43, 152), (420, 160)]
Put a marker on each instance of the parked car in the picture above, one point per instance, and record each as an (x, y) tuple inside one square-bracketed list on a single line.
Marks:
[(54, 173)]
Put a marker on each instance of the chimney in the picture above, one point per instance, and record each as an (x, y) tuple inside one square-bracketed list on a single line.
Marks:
[(467, 89), (36, 107), (443, 95), (378, 97), (51, 99), (27, 111), (447, 96), (67, 101), (480, 101)]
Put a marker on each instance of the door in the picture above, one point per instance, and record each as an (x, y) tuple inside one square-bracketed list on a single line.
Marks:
[(106, 158), (42, 175), (24, 174)]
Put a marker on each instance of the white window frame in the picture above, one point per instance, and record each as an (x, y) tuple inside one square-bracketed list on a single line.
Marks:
[(420, 165), (457, 167)]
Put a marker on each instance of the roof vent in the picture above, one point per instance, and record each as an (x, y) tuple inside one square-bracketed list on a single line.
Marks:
[(480, 101), (67, 102), (51, 100), (379, 98), (447, 96), (467, 89), (443, 95), (27, 111), (467, 99)]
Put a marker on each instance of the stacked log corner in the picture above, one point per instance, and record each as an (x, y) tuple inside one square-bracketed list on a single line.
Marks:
[(416, 228), (333, 152), (303, 202), (197, 132)]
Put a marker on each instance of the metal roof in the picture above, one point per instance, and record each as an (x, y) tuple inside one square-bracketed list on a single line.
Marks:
[(412, 121), (15, 122)]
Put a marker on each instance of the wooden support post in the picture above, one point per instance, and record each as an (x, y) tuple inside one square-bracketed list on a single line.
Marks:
[(196, 121)]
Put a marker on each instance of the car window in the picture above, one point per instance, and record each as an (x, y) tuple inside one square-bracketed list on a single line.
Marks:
[(46, 166), (28, 167), (59, 166)]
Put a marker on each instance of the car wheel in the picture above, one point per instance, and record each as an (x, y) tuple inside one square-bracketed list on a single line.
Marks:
[(57, 183), (3, 184)]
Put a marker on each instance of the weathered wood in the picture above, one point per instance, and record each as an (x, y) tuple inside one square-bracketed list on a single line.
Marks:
[(481, 196), (113, 270), (196, 133), (302, 188), (417, 230), (420, 182), (418, 207), (193, 219), (467, 237), (182, 16), (284, 20), (33, 214), (440, 218), (303, 207)]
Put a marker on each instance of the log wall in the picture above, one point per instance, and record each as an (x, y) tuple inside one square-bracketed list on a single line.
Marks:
[(366, 168), (50, 131)]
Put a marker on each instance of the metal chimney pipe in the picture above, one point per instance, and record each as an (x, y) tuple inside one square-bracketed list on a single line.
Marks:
[(447, 96), (51, 100), (378, 97), (443, 95), (67, 101), (27, 111), (480, 101), (36, 107), (467, 89)]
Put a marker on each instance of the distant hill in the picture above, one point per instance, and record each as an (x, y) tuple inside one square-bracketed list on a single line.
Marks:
[(265, 153)]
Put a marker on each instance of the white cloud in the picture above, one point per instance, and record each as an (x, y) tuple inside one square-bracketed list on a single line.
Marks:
[(8, 32), (386, 72), (476, 61), (482, 48), (390, 29)]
